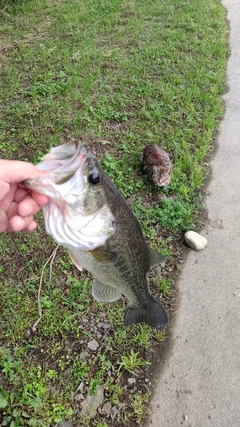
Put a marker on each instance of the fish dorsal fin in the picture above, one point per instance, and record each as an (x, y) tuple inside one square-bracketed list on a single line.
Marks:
[(103, 292), (156, 258)]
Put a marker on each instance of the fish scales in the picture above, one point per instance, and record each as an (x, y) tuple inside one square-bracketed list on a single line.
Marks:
[(107, 238)]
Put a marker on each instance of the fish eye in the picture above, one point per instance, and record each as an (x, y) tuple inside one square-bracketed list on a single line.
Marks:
[(94, 178)]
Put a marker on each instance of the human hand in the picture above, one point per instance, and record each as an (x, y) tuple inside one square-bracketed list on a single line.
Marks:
[(17, 204)]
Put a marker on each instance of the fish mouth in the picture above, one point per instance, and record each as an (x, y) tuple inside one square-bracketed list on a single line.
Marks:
[(58, 167), (63, 157)]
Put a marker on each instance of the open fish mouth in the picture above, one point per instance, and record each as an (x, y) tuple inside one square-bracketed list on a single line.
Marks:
[(58, 167), (63, 157)]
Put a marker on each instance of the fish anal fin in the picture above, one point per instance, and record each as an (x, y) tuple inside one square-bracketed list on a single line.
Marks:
[(152, 314), (103, 292), (156, 258), (75, 262)]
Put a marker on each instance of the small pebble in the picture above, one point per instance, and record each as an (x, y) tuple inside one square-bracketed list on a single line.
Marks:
[(131, 380), (106, 408), (65, 423), (28, 333), (83, 355), (79, 397), (93, 345), (195, 240), (81, 386)]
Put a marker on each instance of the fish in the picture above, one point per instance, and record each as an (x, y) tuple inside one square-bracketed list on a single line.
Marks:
[(87, 214), (156, 164)]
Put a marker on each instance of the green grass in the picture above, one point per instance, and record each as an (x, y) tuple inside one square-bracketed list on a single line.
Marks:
[(119, 74)]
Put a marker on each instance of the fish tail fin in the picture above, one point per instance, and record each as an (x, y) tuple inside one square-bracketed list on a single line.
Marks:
[(152, 314)]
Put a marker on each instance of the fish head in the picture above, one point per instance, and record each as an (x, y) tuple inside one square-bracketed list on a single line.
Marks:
[(77, 214)]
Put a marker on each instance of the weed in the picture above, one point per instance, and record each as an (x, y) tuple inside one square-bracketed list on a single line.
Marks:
[(9, 366), (165, 285), (138, 405), (51, 374), (114, 391), (160, 336), (130, 361)]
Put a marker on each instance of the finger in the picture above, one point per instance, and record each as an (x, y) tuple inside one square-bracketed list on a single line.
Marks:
[(4, 188), (7, 194), (3, 221), (31, 227), (14, 171), (27, 207), (20, 194), (39, 198), (12, 210), (18, 223)]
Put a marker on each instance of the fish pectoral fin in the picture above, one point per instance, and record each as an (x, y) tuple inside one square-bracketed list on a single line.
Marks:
[(102, 254), (103, 292), (152, 314), (156, 258), (75, 262)]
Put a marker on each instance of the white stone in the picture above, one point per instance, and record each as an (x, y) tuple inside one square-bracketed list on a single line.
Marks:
[(195, 240), (93, 345), (83, 355), (131, 380)]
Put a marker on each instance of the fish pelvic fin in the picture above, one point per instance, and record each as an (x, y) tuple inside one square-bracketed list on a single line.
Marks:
[(103, 292), (152, 314), (156, 258)]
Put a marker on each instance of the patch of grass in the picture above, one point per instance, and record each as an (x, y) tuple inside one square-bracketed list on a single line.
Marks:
[(130, 361), (120, 75)]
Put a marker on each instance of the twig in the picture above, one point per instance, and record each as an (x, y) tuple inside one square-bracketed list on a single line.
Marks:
[(51, 258)]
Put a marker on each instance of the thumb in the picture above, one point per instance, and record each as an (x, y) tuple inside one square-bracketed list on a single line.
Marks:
[(15, 171)]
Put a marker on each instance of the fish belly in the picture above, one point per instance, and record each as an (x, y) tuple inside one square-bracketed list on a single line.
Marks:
[(103, 271)]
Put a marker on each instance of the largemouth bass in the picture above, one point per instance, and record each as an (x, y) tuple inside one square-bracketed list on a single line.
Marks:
[(87, 214)]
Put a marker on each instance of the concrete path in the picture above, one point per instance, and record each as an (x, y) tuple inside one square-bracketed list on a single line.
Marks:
[(200, 382)]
